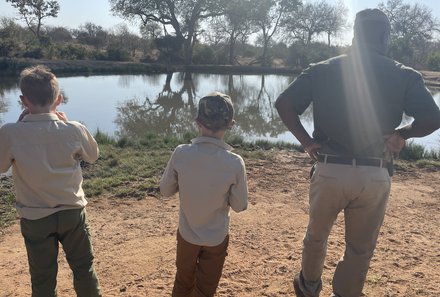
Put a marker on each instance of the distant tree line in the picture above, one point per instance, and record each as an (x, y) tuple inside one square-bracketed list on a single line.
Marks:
[(262, 32)]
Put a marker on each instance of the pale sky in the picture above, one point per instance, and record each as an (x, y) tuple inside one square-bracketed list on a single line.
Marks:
[(74, 13)]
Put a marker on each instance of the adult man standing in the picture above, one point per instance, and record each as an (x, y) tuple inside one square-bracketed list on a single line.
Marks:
[(358, 102)]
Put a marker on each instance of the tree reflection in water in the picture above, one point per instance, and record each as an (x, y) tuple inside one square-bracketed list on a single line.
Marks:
[(172, 112), (167, 114), (8, 83)]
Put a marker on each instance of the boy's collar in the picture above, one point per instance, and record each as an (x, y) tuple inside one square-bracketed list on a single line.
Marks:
[(38, 117), (212, 140)]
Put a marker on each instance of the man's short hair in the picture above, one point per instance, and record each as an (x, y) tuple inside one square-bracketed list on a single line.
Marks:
[(216, 112), (39, 85), (370, 26)]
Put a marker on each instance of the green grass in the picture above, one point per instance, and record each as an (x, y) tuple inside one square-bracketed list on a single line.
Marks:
[(7, 202), (131, 168)]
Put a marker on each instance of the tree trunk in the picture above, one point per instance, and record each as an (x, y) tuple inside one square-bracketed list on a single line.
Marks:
[(232, 48)]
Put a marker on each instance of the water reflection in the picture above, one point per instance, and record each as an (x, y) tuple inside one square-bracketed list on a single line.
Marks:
[(7, 84), (168, 113), (172, 111), (133, 105)]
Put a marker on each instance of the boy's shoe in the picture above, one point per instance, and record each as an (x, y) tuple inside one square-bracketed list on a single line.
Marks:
[(296, 287)]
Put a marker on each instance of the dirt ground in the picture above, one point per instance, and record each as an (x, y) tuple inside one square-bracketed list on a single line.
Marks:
[(134, 240)]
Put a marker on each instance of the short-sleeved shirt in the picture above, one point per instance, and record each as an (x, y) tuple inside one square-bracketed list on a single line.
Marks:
[(358, 98), (45, 155), (210, 180)]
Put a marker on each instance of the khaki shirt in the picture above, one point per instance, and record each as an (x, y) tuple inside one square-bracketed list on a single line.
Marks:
[(358, 98), (210, 180), (45, 155)]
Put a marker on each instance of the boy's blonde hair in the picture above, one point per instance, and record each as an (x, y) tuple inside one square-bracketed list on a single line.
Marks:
[(39, 85)]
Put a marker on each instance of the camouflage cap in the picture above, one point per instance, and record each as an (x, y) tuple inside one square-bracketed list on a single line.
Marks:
[(216, 111)]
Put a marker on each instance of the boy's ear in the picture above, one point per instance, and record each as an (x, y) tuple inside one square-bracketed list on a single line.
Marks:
[(200, 125), (24, 101), (58, 100)]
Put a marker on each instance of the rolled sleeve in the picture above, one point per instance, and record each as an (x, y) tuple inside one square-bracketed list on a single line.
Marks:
[(169, 182), (238, 196)]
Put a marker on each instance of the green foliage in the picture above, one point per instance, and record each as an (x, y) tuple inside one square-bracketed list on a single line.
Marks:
[(412, 152), (117, 54), (434, 61), (203, 55), (72, 51), (7, 202), (102, 138), (302, 55)]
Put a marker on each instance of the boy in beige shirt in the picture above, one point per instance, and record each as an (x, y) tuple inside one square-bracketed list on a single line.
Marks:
[(45, 150), (210, 180)]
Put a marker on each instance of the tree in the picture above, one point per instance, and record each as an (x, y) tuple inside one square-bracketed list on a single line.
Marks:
[(313, 19), (335, 21), (268, 15), (59, 34), (91, 34), (234, 24), (412, 28), (10, 37), (34, 11), (183, 16), (123, 38)]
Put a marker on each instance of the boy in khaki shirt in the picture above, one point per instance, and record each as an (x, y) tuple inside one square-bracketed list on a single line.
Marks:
[(44, 150), (210, 180)]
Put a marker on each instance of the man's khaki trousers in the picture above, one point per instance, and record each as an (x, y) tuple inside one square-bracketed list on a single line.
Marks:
[(361, 192)]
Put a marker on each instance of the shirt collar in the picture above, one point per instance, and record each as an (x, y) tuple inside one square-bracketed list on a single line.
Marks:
[(40, 117), (212, 140)]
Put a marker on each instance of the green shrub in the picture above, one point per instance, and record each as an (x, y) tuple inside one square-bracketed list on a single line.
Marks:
[(102, 138), (203, 55), (434, 61), (412, 152)]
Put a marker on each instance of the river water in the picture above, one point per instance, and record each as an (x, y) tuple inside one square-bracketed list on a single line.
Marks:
[(135, 104)]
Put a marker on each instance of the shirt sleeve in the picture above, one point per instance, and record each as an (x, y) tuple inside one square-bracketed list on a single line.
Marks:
[(419, 102), (6, 157), (89, 146), (300, 91), (238, 196), (169, 182)]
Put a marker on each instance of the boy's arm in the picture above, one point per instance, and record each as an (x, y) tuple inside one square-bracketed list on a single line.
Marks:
[(238, 196), (89, 147), (169, 182), (6, 157)]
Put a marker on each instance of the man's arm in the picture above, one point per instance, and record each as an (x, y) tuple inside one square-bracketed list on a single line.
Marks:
[(290, 118)]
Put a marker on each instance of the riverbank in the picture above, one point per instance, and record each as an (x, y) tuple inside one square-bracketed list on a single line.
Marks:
[(133, 228), (91, 67)]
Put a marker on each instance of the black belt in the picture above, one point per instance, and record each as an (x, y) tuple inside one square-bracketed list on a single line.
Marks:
[(376, 162)]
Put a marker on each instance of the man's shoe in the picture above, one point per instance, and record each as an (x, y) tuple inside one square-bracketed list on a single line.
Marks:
[(296, 281)]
